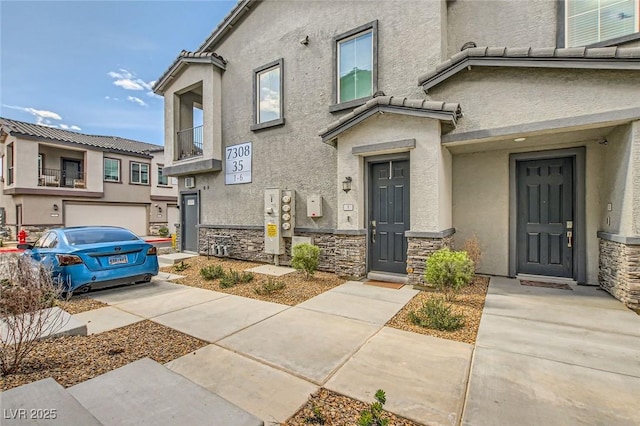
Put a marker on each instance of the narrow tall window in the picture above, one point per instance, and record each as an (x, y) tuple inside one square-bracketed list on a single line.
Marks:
[(10, 160), (40, 164), (593, 21), (111, 170), (268, 99), (162, 179), (139, 173)]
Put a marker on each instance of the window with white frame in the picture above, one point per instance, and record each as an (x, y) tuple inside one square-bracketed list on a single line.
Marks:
[(355, 65), (111, 170), (593, 21), (139, 173), (268, 99), (162, 179)]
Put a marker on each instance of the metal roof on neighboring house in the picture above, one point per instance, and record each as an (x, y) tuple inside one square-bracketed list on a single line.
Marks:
[(573, 57), (448, 112), (115, 143), (185, 57)]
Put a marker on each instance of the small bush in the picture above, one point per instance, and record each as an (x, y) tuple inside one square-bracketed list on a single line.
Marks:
[(246, 277), (180, 266), (306, 258), (163, 231), (233, 278), (212, 272), (437, 314), (269, 287), (317, 418), (474, 251), (449, 271), (373, 416)]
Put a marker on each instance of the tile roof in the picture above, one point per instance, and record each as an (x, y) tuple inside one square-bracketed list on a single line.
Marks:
[(449, 112), (229, 22), (186, 57), (573, 57), (115, 143)]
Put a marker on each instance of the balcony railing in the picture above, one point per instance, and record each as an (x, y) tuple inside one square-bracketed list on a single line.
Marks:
[(190, 143), (62, 178)]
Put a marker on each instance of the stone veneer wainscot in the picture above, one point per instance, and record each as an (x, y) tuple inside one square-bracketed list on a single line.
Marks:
[(619, 271)]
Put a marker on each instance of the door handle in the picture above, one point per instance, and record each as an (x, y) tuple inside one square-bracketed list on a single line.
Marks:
[(569, 239), (373, 231)]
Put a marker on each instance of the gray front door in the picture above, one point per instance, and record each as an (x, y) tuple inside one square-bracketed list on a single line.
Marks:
[(189, 231), (388, 216), (545, 207)]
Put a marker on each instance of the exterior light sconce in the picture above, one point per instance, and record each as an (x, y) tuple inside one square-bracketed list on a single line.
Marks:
[(346, 184), (55, 208)]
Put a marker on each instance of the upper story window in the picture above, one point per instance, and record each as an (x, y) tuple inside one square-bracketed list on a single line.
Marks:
[(139, 173), (40, 164), (355, 66), (162, 179), (268, 100), (111, 170), (593, 21)]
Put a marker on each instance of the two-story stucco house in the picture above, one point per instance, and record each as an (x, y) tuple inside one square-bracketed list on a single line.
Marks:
[(53, 177), (398, 127)]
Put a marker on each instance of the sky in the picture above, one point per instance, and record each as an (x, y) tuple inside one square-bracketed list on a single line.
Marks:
[(88, 66)]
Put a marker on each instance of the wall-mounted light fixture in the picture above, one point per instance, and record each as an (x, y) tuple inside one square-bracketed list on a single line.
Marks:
[(159, 209), (346, 184), (55, 208)]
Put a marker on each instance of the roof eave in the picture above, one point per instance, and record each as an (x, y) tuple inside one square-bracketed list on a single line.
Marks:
[(236, 14), (525, 62), (450, 117), (177, 67)]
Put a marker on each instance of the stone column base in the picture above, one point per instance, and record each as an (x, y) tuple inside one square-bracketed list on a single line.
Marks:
[(619, 271), (420, 248), (351, 255)]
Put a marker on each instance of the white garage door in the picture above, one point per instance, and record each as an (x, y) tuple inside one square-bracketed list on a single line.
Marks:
[(173, 217), (131, 217)]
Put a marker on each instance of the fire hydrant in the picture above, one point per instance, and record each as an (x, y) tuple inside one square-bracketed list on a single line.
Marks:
[(22, 237)]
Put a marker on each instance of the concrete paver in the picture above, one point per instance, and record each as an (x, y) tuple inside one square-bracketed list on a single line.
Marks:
[(306, 343), (356, 307), (173, 258), (276, 271), (55, 322), (134, 292), (264, 391), (153, 306), (44, 402), (166, 276), (424, 378), (513, 389), (105, 319), (146, 393), (214, 320)]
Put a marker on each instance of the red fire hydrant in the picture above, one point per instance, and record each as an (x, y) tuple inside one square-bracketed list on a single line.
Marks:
[(22, 237)]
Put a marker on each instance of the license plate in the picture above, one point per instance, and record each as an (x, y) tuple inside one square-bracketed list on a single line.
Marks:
[(118, 260)]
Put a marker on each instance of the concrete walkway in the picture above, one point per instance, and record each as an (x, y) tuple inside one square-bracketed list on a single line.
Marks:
[(554, 357)]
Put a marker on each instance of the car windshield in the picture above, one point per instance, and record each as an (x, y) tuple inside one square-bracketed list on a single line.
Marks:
[(77, 237)]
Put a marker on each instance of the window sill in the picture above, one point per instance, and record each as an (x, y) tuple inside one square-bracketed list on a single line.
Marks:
[(139, 184), (267, 124), (349, 104), (616, 41), (112, 181)]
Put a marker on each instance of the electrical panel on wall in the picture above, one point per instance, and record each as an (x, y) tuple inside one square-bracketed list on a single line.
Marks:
[(288, 214), (314, 205), (273, 239)]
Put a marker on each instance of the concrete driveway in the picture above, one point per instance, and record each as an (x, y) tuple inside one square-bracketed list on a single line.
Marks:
[(554, 357)]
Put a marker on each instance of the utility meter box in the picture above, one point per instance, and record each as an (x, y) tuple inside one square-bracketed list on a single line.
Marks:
[(288, 212), (273, 241), (314, 205)]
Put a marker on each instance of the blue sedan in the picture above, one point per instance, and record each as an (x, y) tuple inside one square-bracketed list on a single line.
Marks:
[(91, 257)]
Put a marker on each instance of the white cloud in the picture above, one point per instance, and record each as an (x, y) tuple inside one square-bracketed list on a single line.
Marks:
[(111, 98), (128, 84), (129, 80), (44, 117), (74, 127), (136, 100)]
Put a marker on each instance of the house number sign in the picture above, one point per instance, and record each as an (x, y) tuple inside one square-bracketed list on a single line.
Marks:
[(238, 164)]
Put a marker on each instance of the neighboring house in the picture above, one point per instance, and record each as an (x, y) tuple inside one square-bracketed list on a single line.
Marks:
[(53, 177), (410, 138)]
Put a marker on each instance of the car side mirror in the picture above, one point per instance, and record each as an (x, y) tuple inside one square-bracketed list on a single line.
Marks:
[(25, 246)]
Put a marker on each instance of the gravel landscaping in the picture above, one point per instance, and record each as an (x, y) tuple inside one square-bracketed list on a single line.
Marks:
[(74, 359), (469, 303), (329, 408), (297, 289), (79, 304)]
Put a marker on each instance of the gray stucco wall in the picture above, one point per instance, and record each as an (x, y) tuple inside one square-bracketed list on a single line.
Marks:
[(481, 204), (501, 23), (292, 156), (492, 97)]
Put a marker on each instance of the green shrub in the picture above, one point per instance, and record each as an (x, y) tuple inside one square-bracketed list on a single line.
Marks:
[(246, 277), (437, 314), (306, 258), (163, 231), (449, 271), (373, 416), (180, 266), (233, 278), (212, 272), (269, 287)]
